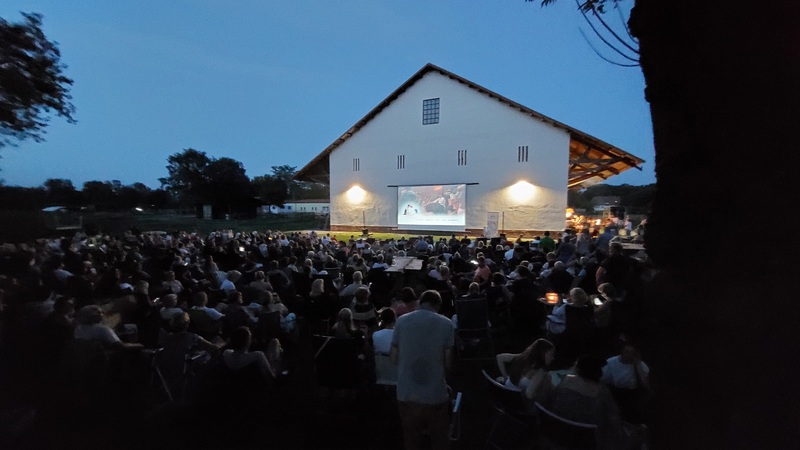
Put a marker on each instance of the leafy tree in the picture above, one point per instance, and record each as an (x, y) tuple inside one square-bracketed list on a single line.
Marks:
[(98, 193), (187, 179), (32, 82), (270, 189), (61, 192), (227, 183)]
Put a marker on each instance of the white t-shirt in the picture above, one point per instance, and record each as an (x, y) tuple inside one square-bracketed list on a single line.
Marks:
[(620, 375), (382, 341), (96, 332)]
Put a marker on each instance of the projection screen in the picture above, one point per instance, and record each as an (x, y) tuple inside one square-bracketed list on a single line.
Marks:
[(433, 207)]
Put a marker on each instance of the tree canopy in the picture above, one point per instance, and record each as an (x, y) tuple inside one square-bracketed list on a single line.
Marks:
[(32, 81)]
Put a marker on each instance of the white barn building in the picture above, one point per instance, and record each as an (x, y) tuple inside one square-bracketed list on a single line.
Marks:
[(442, 154)]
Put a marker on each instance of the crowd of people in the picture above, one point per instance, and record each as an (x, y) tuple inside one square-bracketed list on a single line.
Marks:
[(236, 301)]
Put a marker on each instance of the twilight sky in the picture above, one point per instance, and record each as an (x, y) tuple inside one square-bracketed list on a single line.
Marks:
[(275, 82)]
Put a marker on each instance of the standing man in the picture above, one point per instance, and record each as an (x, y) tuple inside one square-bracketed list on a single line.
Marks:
[(422, 346)]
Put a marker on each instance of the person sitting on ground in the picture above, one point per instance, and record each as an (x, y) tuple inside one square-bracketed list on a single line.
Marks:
[(382, 339), (527, 371), (272, 304), (406, 302)]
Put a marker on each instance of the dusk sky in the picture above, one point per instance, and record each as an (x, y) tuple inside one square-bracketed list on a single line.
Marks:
[(275, 82)]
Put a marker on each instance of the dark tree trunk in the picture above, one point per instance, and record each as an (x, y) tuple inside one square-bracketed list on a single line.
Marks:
[(724, 312)]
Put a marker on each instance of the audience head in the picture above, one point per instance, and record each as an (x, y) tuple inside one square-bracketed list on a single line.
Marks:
[(387, 317), (590, 367), (179, 322), (444, 272), (431, 298), (358, 277), (63, 306), (234, 275), (169, 300), (578, 296), (407, 295), (607, 290), (200, 298), (498, 279), (362, 295), (317, 286), (240, 339), (259, 275), (474, 288), (539, 355), (141, 288), (89, 314)]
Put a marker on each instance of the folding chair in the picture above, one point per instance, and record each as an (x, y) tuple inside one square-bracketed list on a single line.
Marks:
[(512, 426), (556, 432)]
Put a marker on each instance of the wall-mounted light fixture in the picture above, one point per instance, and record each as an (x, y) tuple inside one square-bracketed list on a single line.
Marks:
[(355, 194), (521, 191)]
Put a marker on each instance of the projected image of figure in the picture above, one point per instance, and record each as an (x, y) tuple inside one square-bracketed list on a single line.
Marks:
[(436, 205), (410, 210)]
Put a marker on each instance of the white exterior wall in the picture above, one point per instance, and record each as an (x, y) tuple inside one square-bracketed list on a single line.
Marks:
[(490, 131), (292, 207)]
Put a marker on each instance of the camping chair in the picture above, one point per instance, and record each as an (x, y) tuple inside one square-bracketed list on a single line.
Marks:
[(473, 332), (513, 425), (556, 432)]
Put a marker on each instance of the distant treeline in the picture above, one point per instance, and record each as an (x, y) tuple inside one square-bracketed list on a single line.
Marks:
[(102, 195)]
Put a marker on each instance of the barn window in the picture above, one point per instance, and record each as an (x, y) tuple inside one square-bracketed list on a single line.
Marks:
[(430, 111), (401, 161), (522, 153), (356, 164), (462, 157)]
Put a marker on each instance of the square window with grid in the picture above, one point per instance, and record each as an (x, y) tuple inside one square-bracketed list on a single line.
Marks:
[(430, 111)]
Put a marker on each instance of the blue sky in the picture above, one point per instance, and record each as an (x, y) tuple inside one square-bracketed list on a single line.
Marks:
[(275, 82)]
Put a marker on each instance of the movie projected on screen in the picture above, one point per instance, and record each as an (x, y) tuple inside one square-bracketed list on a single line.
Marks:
[(434, 207)]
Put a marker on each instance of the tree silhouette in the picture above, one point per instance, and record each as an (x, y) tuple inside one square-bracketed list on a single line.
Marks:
[(32, 82)]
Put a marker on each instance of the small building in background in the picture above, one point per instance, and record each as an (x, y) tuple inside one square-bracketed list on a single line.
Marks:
[(314, 206)]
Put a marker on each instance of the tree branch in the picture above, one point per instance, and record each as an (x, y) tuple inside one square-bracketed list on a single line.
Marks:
[(612, 47), (603, 57)]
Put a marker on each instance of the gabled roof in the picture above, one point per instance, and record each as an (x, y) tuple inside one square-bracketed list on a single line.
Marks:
[(590, 159)]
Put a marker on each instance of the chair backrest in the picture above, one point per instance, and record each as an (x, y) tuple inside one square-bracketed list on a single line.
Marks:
[(202, 324), (503, 397), (385, 370), (472, 313), (565, 433), (268, 326), (336, 361)]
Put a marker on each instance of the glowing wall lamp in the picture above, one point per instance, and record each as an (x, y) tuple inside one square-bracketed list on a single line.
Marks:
[(356, 195), (522, 191)]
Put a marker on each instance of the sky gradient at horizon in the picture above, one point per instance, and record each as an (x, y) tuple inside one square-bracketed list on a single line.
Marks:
[(271, 83)]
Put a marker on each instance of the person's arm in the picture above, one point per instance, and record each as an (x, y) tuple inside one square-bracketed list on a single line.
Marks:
[(535, 388), (448, 359), (599, 275), (502, 360)]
